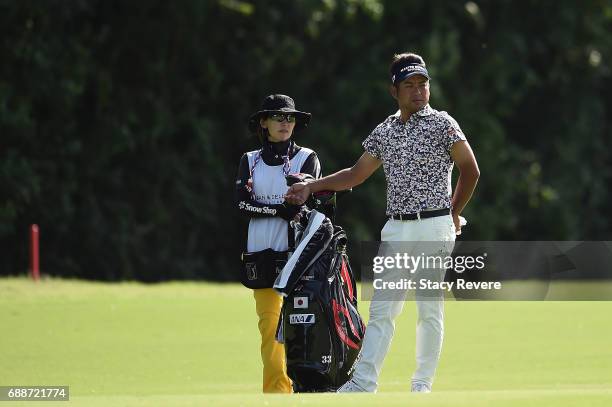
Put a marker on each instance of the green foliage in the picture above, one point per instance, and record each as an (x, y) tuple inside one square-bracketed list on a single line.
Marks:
[(123, 122)]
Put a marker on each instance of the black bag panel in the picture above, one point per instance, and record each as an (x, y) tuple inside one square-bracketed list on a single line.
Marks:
[(261, 268), (311, 380), (308, 345)]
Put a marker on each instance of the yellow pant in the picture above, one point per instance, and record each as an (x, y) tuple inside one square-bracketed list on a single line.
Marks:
[(268, 304)]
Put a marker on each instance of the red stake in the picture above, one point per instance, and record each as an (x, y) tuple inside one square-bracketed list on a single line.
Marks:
[(34, 254)]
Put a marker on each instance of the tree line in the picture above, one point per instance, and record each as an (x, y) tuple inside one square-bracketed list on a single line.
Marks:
[(122, 123)]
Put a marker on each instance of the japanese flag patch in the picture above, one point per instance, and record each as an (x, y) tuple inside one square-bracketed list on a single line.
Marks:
[(300, 302)]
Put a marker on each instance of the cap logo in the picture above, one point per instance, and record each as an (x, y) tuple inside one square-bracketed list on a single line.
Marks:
[(410, 68)]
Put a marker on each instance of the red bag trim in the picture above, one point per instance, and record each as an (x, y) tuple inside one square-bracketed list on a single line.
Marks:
[(343, 336)]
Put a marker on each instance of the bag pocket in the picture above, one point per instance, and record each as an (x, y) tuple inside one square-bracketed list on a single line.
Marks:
[(260, 269)]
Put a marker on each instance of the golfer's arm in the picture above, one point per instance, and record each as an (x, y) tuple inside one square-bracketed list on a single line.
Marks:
[(348, 177), (463, 156)]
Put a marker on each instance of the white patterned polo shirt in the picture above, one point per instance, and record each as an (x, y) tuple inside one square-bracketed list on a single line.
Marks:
[(416, 159)]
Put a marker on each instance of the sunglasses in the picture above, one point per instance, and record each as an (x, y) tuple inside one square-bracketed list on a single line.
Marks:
[(277, 117)]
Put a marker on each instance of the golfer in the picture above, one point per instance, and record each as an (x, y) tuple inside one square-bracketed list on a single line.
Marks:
[(260, 190), (417, 147)]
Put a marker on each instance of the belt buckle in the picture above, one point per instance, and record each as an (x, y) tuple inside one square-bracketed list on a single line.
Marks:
[(418, 214)]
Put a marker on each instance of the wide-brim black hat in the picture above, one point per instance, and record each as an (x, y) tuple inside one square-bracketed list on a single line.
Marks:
[(279, 104)]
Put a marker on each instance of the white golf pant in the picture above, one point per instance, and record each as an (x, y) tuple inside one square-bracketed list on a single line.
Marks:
[(437, 234)]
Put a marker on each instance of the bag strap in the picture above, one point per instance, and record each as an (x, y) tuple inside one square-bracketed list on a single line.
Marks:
[(290, 237)]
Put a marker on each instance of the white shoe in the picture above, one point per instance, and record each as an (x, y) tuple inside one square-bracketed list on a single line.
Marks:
[(350, 387), (420, 387)]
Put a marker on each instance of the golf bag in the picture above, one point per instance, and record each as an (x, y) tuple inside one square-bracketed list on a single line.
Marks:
[(319, 323)]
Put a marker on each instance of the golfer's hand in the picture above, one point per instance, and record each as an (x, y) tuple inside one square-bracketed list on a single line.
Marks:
[(457, 223), (298, 193)]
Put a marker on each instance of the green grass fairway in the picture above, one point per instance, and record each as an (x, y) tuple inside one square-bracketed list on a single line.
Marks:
[(197, 344)]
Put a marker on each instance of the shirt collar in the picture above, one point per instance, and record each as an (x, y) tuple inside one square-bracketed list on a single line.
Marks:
[(423, 112)]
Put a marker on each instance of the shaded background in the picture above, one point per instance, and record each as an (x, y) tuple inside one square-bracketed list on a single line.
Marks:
[(122, 122)]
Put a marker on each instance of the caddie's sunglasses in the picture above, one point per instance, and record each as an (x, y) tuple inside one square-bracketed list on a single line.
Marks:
[(277, 117)]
